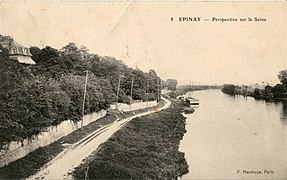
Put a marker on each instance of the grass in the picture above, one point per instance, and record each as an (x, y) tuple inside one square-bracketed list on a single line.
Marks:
[(145, 148)]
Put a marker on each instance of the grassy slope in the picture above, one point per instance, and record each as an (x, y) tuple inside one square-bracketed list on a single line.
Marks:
[(145, 148)]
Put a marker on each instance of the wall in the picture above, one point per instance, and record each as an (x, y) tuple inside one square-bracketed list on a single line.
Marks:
[(133, 106), (17, 149)]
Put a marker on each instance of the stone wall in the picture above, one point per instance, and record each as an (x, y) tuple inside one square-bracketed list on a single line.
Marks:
[(133, 106), (17, 149)]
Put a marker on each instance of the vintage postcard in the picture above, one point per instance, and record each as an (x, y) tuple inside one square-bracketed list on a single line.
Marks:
[(143, 89)]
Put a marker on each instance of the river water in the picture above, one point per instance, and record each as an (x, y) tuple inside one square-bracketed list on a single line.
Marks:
[(234, 137)]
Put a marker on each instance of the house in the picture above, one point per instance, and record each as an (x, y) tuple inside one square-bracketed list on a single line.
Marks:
[(164, 91), (260, 86), (16, 51)]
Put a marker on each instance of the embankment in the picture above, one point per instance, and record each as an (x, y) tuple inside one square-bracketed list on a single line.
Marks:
[(17, 149), (145, 148), (34, 161)]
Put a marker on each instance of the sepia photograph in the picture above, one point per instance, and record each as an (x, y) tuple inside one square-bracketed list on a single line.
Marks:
[(143, 89)]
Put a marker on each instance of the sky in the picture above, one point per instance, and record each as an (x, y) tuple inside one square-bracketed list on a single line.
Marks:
[(143, 35)]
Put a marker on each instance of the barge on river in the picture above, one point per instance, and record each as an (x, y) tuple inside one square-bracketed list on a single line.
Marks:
[(190, 100)]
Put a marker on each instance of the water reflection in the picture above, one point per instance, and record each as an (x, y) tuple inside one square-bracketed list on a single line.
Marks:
[(284, 113), (230, 133), (194, 106)]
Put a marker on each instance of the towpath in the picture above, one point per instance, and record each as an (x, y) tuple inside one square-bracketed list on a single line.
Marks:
[(63, 165)]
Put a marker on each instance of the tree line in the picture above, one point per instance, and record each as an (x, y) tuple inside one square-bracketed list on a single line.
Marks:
[(270, 93), (37, 96)]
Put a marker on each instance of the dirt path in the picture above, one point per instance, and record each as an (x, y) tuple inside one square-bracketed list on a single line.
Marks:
[(62, 165)]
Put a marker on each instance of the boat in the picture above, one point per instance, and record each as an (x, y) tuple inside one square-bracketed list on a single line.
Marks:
[(192, 101)]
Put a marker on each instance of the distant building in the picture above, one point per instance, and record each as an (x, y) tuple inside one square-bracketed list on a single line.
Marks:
[(164, 91), (260, 86), (16, 51)]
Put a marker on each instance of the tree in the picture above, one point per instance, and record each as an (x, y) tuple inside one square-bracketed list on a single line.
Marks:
[(257, 93), (268, 90), (229, 89), (46, 53), (84, 51), (35, 52), (51, 63), (282, 76), (70, 48), (171, 84), (33, 97), (278, 90), (74, 52)]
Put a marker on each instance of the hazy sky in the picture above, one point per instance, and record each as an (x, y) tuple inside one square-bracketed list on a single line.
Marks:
[(142, 34)]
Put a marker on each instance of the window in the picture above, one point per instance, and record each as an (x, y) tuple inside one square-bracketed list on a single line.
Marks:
[(13, 51)]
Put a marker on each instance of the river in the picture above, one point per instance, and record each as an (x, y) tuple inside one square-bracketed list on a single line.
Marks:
[(234, 137)]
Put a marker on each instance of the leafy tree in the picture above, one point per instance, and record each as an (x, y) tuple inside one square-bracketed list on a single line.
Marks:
[(282, 76), (171, 84), (51, 63), (229, 89), (279, 90), (257, 93), (268, 89), (139, 85), (33, 97), (84, 51), (73, 85), (47, 53), (75, 53), (35, 53), (70, 48), (12, 94), (77, 56)]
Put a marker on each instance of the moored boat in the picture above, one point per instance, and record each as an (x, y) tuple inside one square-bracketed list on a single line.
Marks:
[(192, 101)]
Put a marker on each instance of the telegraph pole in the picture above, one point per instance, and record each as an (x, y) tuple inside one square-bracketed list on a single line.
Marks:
[(131, 93), (158, 95), (118, 91), (147, 90), (84, 99), (132, 87)]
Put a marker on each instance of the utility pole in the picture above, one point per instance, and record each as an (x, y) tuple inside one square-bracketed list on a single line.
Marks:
[(158, 90), (132, 87), (147, 90), (118, 91), (84, 99), (131, 93)]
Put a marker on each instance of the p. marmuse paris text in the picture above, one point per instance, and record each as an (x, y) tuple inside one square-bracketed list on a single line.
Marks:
[(257, 172)]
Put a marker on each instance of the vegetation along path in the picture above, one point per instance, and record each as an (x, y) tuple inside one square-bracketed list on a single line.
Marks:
[(62, 165), (145, 148)]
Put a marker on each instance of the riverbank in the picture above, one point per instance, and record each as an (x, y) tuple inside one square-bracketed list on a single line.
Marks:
[(146, 148), (34, 161), (183, 89), (269, 93)]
